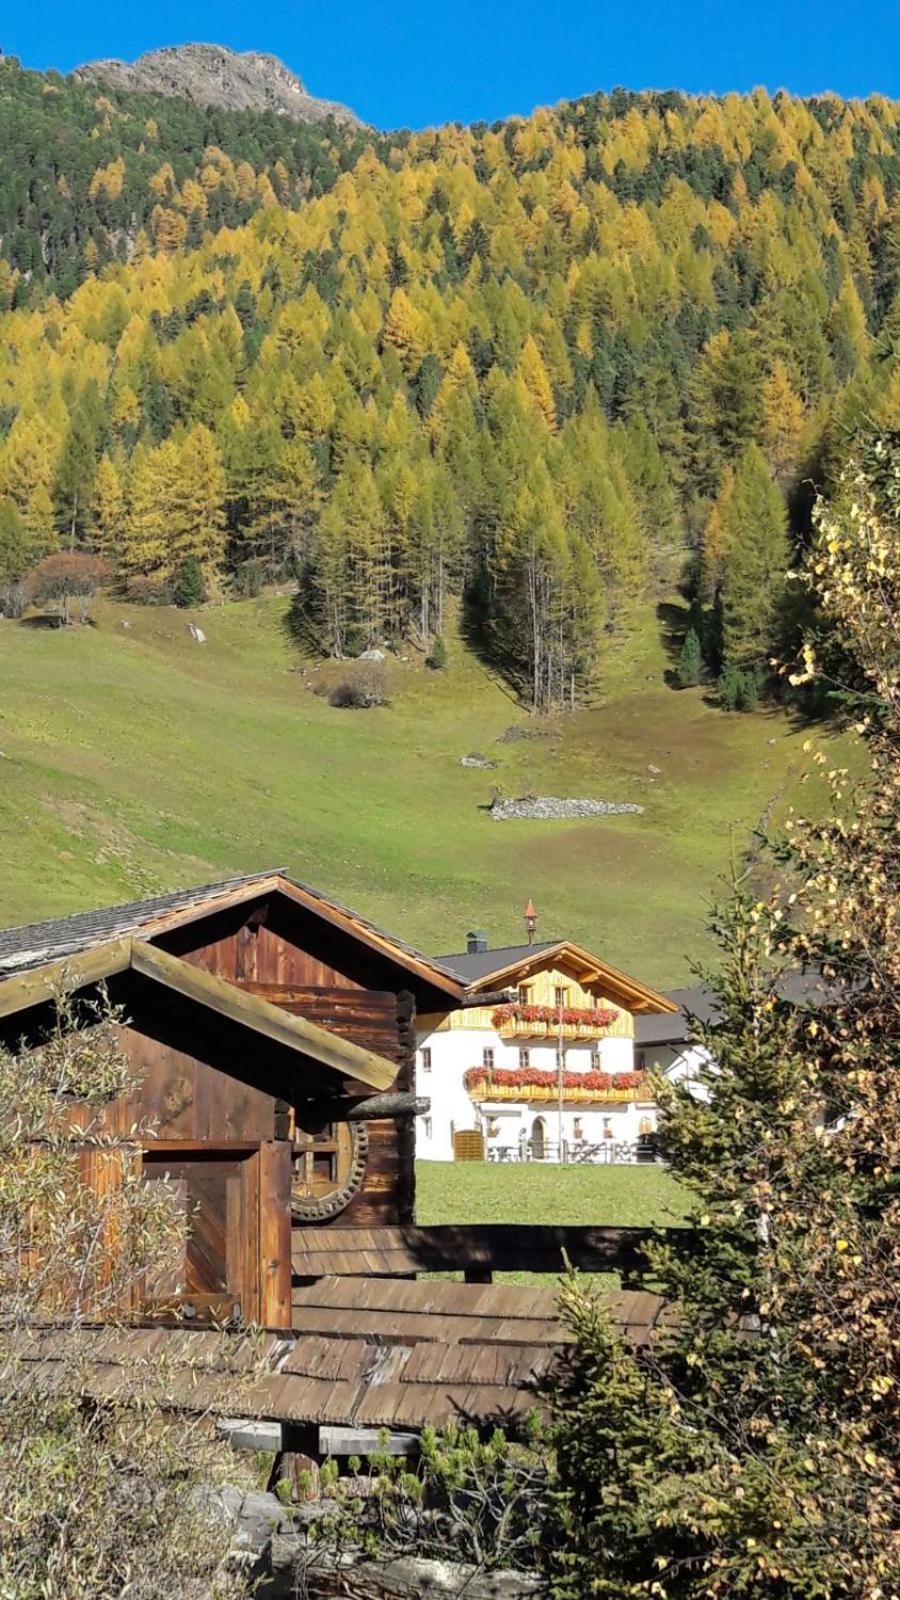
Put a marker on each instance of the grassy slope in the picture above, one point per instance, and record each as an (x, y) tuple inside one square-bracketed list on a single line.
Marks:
[(135, 759)]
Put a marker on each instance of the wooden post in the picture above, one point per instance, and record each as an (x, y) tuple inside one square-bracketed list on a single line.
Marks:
[(298, 1459), (274, 1266), (406, 1132), (478, 1275)]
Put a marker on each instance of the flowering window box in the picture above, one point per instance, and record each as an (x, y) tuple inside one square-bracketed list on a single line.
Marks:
[(529, 1083), (574, 1022)]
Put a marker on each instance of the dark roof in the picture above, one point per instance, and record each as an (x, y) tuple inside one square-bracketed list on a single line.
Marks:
[(481, 963), (701, 1004), (35, 943)]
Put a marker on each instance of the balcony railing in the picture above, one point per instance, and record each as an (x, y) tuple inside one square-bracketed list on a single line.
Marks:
[(525, 1083), (550, 1022)]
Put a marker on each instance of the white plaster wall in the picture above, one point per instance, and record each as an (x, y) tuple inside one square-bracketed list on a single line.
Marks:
[(455, 1050)]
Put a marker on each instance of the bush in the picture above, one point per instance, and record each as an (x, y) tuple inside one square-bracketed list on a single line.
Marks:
[(144, 591), (689, 661), (363, 688), (190, 585), (249, 579), (438, 658), (739, 691)]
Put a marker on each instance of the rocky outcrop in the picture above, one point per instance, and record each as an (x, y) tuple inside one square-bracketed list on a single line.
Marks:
[(211, 75), (548, 808)]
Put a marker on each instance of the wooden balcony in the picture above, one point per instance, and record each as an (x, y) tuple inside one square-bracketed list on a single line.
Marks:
[(486, 1087), (519, 1028)]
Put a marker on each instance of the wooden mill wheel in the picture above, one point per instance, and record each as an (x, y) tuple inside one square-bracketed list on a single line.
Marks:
[(328, 1169)]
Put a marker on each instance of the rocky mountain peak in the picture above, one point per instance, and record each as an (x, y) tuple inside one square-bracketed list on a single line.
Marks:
[(212, 75)]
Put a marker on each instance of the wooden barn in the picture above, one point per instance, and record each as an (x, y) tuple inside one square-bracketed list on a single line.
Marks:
[(263, 1020)]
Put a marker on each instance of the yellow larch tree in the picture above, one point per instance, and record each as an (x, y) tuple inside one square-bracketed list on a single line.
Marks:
[(532, 374), (403, 331), (109, 511), (782, 423)]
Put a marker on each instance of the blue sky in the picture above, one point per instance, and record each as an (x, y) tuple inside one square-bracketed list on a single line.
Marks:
[(411, 63)]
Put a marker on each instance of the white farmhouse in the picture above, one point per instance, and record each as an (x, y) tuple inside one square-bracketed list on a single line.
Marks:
[(541, 1051)]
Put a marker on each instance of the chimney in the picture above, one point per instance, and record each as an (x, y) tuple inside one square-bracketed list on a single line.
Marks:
[(530, 921), (476, 943)]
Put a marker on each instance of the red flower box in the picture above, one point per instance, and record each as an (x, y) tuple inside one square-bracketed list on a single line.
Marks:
[(573, 1016), (535, 1078)]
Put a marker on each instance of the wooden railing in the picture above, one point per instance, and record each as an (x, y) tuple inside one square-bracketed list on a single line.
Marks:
[(477, 1250)]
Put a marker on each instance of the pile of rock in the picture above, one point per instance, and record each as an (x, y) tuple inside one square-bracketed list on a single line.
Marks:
[(277, 1547), (548, 808)]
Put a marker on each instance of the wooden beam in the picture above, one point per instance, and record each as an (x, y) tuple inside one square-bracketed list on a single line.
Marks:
[(73, 972), (393, 1106), (260, 1016), (334, 1441), (478, 1249)]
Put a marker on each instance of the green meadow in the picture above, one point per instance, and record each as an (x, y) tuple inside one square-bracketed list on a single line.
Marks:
[(480, 1191), (135, 759)]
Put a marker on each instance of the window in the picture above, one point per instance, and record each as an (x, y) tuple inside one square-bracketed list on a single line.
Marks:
[(607, 1128), (524, 1058), (487, 1058), (524, 993), (560, 995), (426, 1060), (595, 1061), (428, 1126)]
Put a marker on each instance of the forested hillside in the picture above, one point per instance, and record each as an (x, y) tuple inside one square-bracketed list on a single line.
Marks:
[(524, 364), (90, 174)]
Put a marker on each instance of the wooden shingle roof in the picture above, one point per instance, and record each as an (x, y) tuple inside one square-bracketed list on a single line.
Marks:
[(376, 1354), (36, 943)]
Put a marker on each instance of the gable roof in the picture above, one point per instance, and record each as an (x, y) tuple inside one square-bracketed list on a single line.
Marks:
[(36, 943), (700, 1003), (98, 962), (497, 969)]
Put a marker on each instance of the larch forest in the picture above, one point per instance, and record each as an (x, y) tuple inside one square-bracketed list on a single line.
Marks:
[(534, 366)]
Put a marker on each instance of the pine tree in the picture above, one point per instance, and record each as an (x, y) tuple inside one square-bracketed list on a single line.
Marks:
[(759, 555), (189, 587), (533, 375), (14, 545), (404, 332), (75, 472), (690, 660), (146, 549), (198, 503), (782, 424)]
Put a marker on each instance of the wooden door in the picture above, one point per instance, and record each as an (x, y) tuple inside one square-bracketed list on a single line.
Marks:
[(207, 1281), (234, 1211)]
